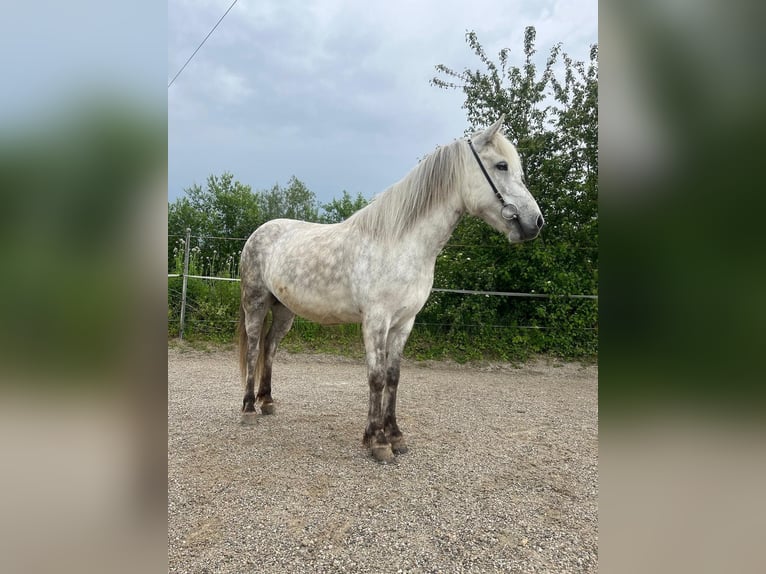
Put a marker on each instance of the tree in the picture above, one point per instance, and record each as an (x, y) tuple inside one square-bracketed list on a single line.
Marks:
[(552, 121), (224, 213), (340, 209), (224, 208), (300, 201), (552, 118), (295, 201)]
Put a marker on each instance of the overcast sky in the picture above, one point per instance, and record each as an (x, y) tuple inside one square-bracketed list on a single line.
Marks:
[(335, 92)]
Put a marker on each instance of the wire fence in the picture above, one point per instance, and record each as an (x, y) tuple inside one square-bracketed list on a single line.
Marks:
[(183, 311)]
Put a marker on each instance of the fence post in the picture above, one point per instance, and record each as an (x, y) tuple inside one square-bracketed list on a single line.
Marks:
[(187, 248)]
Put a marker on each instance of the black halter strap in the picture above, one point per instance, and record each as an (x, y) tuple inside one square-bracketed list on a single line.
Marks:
[(508, 211)]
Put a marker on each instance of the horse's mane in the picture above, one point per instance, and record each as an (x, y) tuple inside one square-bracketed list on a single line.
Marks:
[(396, 210)]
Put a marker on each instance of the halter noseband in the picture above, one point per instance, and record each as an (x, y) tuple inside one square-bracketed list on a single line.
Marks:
[(508, 211)]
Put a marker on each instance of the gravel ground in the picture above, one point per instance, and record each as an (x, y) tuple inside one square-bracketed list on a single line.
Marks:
[(501, 475)]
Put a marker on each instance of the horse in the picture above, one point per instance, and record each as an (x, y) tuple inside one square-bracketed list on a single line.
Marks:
[(375, 268)]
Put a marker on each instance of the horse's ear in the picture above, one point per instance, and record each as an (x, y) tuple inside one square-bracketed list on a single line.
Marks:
[(490, 132)]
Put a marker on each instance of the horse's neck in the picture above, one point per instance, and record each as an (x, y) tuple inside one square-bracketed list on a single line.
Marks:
[(433, 230)]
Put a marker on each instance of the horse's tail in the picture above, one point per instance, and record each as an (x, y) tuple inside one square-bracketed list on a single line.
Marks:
[(242, 336), (243, 348)]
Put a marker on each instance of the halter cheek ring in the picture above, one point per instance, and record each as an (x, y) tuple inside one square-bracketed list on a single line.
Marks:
[(509, 212)]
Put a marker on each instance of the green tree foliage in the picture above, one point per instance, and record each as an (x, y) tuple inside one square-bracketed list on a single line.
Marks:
[(224, 208), (340, 209), (552, 117), (225, 212), (295, 201)]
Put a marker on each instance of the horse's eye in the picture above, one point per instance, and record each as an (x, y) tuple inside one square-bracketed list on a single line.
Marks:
[(502, 166)]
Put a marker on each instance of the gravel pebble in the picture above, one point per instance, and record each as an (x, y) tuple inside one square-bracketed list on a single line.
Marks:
[(501, 473)]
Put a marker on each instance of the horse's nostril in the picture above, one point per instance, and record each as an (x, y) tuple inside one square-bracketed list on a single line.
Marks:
[(540, 222)]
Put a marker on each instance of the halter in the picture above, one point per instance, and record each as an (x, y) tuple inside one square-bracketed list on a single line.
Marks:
[(509, 211)]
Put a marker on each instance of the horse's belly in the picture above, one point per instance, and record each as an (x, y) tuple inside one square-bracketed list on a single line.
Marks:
[(327, 308)]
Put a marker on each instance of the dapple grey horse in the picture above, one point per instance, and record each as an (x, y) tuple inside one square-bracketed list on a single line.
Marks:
[(375, 268)]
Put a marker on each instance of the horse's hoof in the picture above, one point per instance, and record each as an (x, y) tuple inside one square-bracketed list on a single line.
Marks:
[(249, 418), (382, 453), (267, 408), (399, 446)]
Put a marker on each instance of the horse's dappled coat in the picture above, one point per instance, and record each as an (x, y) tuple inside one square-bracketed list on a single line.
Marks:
[(375, 268)]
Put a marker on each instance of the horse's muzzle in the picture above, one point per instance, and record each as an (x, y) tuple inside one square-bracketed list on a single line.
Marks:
[(529, 230)]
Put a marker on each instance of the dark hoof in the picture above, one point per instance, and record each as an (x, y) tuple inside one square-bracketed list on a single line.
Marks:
[(249, 418), (267, 408), (400, 449), (382, 453), (398, 444)]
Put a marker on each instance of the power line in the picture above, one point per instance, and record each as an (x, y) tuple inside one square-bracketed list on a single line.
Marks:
[(203, 41)]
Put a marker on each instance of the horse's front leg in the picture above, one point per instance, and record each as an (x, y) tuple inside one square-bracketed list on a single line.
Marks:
[(396, 341), (393, 434), (375, 439)]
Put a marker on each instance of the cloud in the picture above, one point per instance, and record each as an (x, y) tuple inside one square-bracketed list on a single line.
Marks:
[(229, 87), (334, 81)]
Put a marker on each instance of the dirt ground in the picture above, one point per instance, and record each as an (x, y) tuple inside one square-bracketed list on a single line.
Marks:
[(501, 473)]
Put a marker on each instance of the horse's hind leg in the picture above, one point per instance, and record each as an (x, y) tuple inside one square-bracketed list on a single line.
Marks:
[(282, 320), (253, 310)]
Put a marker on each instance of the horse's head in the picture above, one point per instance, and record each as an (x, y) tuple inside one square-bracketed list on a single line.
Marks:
[(495, 189)]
